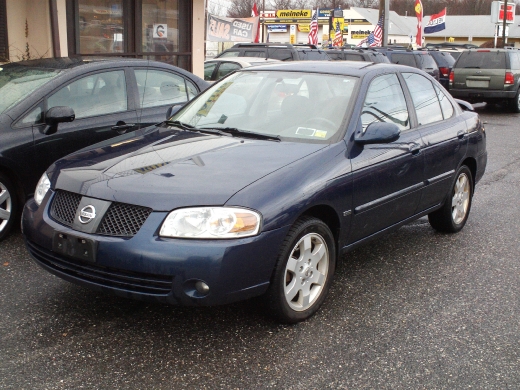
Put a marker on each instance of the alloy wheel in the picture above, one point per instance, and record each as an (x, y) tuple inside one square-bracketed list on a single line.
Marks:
[(460, 200), (306, 272), (6, 206)]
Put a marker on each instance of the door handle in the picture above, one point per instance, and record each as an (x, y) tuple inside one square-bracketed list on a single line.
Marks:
[(414, 148), (121, 127), (461, 134)]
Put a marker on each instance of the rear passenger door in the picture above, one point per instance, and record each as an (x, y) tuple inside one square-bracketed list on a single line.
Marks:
[(444, 135), (103, 110), (158, 90)]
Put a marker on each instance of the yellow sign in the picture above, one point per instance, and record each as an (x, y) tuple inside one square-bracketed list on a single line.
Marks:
[(298, 13), (304, 27), (451, 39), (293, 39)]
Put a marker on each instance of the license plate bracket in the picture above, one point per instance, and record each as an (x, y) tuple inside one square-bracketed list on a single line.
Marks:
[(74, 247)]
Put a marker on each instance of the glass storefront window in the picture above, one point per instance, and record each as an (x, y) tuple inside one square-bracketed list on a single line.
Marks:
[(101, 26), (160, 28)]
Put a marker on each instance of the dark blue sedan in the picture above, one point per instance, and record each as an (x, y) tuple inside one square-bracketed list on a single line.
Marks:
[(259, 185)]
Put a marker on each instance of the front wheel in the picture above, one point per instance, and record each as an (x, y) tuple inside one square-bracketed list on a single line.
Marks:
[(303, 273), (452, 217), (8, 206)]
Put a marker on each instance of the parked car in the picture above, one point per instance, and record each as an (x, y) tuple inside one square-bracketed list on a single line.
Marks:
[(420, 59), (357, 55), (239, 195), (52, 107), (278, 51), (445, 63), (217, 68), (487, 75)]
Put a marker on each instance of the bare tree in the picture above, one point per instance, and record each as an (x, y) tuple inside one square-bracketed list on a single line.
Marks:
[(240, 8)]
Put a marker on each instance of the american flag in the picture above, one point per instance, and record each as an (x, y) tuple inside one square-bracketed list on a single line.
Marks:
[(313, 32), (338, 36), (376, 36)]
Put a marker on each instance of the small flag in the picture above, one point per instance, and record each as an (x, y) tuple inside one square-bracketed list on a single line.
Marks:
[(419, 14), (254, 13), (338, 36), (437, 23), (376, 36), (313, 32)]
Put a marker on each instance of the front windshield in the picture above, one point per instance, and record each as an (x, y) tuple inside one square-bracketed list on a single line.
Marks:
[(16, 83), (300, 106)]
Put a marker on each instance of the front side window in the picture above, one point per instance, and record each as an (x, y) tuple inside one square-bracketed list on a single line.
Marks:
[(300, 107), (159, 88), (93, 95), (281, 54), (354, 57), (385, 102), (424, 98)]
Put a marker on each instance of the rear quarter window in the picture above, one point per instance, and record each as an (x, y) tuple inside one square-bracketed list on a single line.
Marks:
[(482, 60)]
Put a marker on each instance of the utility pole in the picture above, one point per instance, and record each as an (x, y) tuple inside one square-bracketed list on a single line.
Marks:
[(386, 24), (504, 26)]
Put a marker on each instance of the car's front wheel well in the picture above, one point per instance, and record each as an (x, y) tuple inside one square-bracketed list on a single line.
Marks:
[(328, 216)]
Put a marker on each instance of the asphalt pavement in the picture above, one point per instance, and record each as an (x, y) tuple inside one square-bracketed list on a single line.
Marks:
[(414, 310)]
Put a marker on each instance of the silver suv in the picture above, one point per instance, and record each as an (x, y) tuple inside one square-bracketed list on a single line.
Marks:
[(487, 75)]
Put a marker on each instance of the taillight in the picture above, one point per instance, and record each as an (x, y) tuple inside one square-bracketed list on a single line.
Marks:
[(444, 71), (452, 77), (509, 79)]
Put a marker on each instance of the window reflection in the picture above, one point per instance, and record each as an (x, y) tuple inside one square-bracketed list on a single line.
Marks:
[(101, 26)]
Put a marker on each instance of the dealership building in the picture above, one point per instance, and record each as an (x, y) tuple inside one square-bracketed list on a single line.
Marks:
[(166, 30)]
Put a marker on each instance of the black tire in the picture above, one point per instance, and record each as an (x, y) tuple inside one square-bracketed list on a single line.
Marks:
[(9, 206), (451, 218), (310, 278), (514, 103)]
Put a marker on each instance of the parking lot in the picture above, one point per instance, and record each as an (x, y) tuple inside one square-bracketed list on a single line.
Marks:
[(415, 309)]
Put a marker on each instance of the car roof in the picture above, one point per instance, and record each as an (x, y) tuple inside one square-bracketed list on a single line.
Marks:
[(70, 63), (347, 68), (242, 60)]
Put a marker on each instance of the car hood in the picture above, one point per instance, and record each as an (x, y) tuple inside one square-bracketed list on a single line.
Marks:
[(165, 169)]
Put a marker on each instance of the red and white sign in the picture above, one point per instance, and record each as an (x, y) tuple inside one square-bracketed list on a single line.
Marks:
[(497, 12)]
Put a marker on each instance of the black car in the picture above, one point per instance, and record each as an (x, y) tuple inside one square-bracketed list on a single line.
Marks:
[(420, 59), (357, 55), (487, 75), (259, 185), (445, 61), (277, 51), (52, 107)]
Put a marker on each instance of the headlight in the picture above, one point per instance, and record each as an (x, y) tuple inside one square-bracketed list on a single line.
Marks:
[(41, 188), (211, 222)]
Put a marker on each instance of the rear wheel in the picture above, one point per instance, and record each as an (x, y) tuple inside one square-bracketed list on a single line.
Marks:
[(452, 217), (303, 272), (8, 206), (514, 103)]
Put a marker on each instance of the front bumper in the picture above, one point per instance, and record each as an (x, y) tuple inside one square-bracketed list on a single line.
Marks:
[(149, 267)]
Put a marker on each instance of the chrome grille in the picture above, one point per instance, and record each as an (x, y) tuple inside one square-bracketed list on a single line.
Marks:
[(123, 220), (64, 207)]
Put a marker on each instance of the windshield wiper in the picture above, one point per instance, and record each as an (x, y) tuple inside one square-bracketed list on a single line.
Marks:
[(180, 125), (244, 133)]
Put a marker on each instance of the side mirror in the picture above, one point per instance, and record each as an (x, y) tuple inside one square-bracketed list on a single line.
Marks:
[(464, 105), (55, 115), (172, 110), (378, 133)]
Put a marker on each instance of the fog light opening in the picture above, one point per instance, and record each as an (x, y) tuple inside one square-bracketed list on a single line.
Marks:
[(201, 287)]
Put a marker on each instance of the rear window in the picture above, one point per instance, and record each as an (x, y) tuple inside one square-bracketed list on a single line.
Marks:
[(355, 57), (426, 61), (482, 60), (312, 55), (335, 56), (403, 59)]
